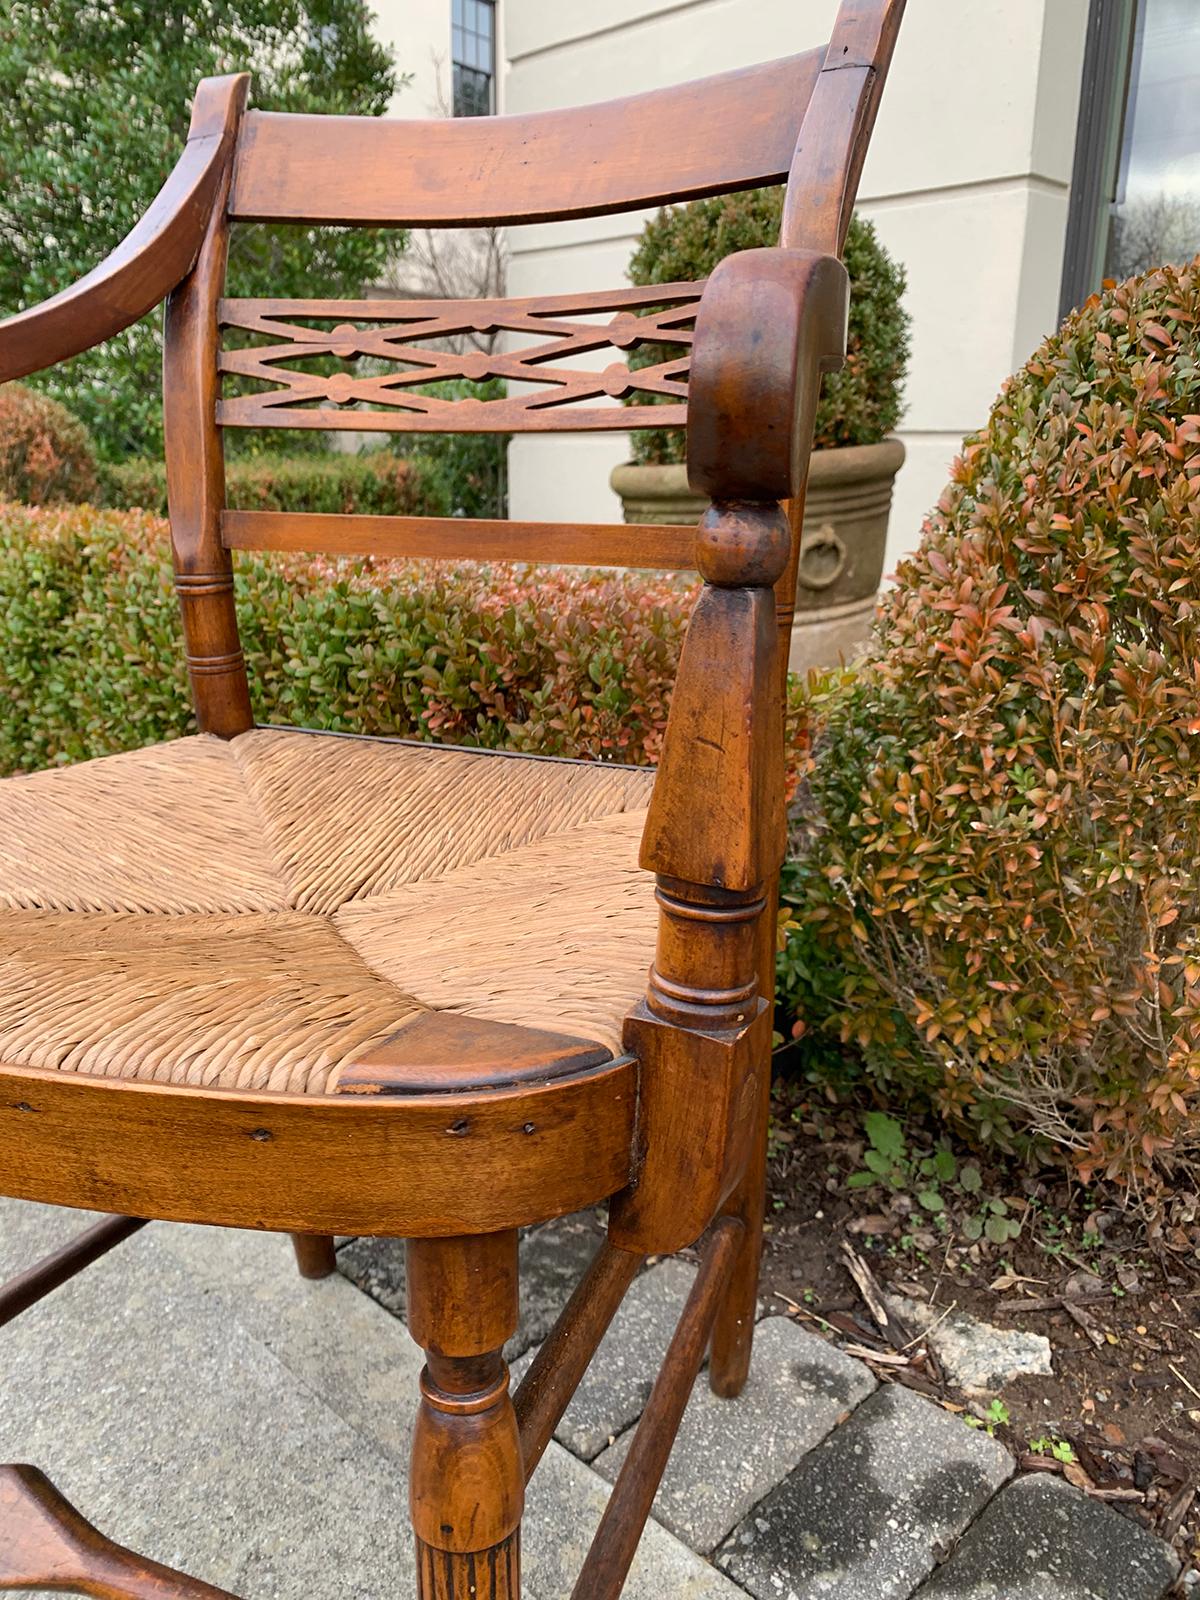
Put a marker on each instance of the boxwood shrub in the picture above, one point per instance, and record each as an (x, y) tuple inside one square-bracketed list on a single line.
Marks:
[(862, 403), (379, 484), (995, 905), (557, 661)]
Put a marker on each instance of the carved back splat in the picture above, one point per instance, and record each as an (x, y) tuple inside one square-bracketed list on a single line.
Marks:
[(391, 340)]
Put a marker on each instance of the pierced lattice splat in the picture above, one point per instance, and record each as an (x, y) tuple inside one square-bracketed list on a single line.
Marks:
[(392, 340)]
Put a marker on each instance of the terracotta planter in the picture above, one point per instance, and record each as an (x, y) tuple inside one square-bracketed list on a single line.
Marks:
[(842, 550)]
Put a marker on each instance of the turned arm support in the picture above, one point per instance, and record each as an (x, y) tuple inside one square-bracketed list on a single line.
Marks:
[(770, 323), (714, 837), (156, 256)]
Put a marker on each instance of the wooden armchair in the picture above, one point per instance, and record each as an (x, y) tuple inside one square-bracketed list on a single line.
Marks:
[(271, 979)]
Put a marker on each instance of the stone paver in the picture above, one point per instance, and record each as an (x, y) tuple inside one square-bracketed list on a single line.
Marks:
[(553, 1259), (181, 1434), (1043, 1540), (868, 1514), (343, 1348), (729, 1456), (618, 1382), (205, 1405), (566, 1499), (376, 1266)]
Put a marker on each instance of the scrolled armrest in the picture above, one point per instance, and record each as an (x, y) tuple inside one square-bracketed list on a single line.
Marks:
[(770, 323), (155, 256)]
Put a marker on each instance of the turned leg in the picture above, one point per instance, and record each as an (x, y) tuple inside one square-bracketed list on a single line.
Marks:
[(315, 1255), (468, 1485)]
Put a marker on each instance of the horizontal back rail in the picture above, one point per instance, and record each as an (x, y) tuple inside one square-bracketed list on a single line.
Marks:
[(652, 546), (450, 416), (733, 131)]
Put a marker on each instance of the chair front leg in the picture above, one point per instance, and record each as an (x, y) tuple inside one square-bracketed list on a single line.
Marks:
[(467, 1484)]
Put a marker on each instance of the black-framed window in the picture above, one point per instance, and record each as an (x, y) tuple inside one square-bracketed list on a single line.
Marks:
[(1135, 187), (473, 56)]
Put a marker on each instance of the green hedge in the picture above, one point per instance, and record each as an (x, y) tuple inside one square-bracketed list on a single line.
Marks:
[(379, 484), (555, 661)]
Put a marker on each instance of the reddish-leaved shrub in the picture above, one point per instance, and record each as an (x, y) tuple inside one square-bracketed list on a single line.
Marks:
[(995, 898), (559, 661), (45, 452)]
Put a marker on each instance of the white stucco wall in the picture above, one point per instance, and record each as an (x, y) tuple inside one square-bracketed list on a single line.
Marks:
[(966, 181), (419, 33)]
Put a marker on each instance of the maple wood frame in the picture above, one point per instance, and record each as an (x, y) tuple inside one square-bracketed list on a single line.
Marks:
[(673, 1132)]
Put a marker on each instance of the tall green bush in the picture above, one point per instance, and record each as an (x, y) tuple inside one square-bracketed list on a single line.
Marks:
[(862, 403), (467, 473), (994, 901), (96, 104)]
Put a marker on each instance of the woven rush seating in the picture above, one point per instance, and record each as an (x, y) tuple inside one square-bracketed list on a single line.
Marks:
[(254, 914)]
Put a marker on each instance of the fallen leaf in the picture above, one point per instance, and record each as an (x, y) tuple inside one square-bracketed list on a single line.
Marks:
[(1009, 1280)]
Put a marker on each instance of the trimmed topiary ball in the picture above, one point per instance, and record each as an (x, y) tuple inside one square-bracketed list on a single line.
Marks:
[(995, 901), (45, 452), (861, 404)]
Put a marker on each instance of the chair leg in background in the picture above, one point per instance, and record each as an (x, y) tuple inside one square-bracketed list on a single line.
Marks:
[(315, 1255), (733, 1331), (467, 1487)]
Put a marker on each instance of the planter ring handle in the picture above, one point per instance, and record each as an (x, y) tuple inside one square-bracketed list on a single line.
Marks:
[(822, 558)]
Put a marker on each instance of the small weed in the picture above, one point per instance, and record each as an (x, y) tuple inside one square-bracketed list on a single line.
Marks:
[(997, 1416), (931, 1179), (1058, 1449)]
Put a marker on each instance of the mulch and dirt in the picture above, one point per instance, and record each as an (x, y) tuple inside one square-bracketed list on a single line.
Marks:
[(1118, 1299)]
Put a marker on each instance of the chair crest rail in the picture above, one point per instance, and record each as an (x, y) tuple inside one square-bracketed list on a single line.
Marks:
[(398, 341)]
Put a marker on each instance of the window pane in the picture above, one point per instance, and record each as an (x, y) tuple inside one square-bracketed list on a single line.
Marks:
[(1155, 214), (473, 58), (472, 93)]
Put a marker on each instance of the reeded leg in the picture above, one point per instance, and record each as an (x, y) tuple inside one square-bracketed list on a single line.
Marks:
[(467, 1484), (315, 1255)]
